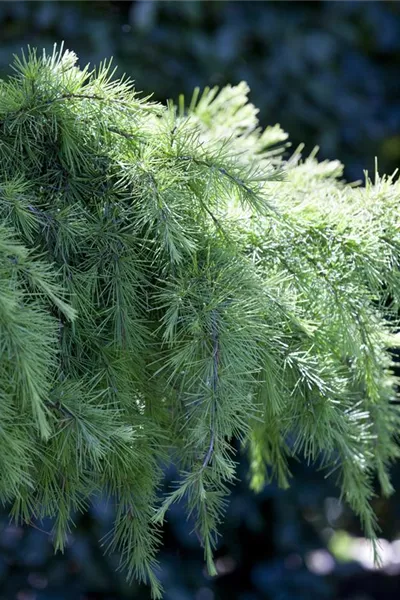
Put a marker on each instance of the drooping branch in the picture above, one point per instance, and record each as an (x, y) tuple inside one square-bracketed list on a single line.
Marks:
[(214, 386)]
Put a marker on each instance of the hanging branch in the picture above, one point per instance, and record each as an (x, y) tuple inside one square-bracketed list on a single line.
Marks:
[(214, 385), (279, 314)]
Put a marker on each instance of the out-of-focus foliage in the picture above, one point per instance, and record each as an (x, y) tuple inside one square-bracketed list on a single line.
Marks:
[(326, 71)]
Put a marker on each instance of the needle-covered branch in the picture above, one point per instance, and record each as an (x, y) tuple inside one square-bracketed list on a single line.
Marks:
[(172, 285)]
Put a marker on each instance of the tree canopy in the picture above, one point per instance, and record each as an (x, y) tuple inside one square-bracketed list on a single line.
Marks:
[(171, 283)]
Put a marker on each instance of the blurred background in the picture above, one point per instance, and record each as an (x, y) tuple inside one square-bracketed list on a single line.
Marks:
[(328, 73)]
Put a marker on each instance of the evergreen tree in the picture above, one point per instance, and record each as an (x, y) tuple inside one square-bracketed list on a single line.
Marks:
[(171, 283)]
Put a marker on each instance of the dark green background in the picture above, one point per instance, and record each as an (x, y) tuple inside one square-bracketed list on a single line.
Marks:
[(328, 73)]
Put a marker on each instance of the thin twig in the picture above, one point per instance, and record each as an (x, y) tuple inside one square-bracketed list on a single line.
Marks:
[(40, 213), (210, 451), (79, 96), (125, 134), (214, 385), (205, 207), (30, 524), (63, 409), (125, 104), (214, 218)]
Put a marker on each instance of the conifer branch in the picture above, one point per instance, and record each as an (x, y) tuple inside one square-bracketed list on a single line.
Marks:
[(213, 217), (275, 333), (125, 134), (214, 385)]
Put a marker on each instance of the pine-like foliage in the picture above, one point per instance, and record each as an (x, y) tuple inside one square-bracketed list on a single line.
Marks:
[(169, 283)]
